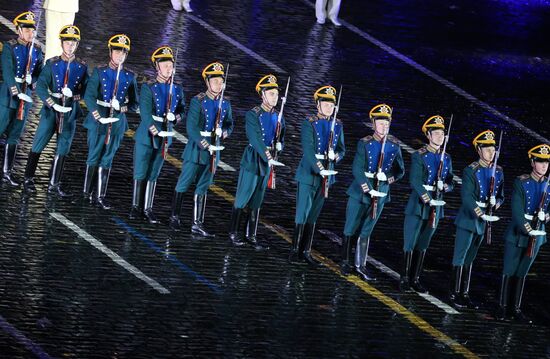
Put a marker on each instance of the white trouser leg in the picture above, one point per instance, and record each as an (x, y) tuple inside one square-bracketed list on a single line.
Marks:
[(320, 6)]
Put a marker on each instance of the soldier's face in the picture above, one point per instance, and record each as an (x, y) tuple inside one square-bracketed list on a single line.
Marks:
[(436, 137), (487, 154), (118, 56), (540, 168), (215, 84), (325, 108), (165, 68), (69, 47), (26, 33), (270, 97), (381, 127)]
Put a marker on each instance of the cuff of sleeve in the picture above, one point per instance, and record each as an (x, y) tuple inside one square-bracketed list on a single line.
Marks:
[(153, 130), (527, 227), (547, 217), (320, 166), (178, 117), (425, 198), (50, 102), (391, 180), (204, 144), (96, 115), (14, 91), (268, 155), (445, 187), (478, 211), (365, 187), (123, 109)]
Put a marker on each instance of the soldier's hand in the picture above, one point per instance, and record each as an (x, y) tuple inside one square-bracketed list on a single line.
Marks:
[(105, 120), (488, 218), (165, 134), (492, 201), (24, 97), (28, 79), (375, 193), (437, 202), (115, 104), (170, 116), (381, 176), (275, 163), (61, 109), (536, 232), (67, 92), (331, 155), (219, 132), (542, 216), (279, 146), (325, 173), (440, 185), (213, 148)]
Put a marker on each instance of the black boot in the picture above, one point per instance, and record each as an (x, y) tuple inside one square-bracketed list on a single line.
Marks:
[(86, 196), (465, 296), (361, 255), (30, 170), (149, 198), (102, 182), (234, 235), (294, 255), (517, 314), (252, 229), (454, 293), (309, 234), (137, 199), (503, 298), (404, 281), (345, 266), (177, 200), (55, 178), (418, 264), (199, 201), (9, 159)]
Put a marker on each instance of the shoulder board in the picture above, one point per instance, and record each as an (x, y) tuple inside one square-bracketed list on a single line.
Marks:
[(37, 45), (257, 109), (366, 138), (422, 150), (393, 139), (78, 59), (474, 165), (151, 82), (447, 155), (339, 122), (129, 70), (102, 66), (200, 96), (524, 177), (54, 59), (499, 168), (312, 118), (12, 42)]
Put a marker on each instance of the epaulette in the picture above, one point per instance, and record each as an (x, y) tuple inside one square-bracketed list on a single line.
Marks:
[(524, 177), (393, 139), (37, 45), (257, 109), (54, 59), (422, 150), (200, 96), (312, 118), (499, 168), (150, 82), (83, 62), (474, 165), (129, 70), (366, 138), (12, 42)]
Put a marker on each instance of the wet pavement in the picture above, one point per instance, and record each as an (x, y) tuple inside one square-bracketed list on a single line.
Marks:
[(78, 282)]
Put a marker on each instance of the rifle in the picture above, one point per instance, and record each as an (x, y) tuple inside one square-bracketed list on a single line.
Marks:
[(111, 109), (215, 139), (374, 200), (21, 108), (438, 194), (166, 125), (61, 116), (278, 129), (492, 189), (536, 222), (331, 146)]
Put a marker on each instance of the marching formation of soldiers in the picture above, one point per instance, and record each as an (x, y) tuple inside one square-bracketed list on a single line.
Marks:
[(112, 90)]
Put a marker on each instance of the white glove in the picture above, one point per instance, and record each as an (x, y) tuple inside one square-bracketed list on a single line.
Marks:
[(213, 148), (170, 116), (165, 134), (105, 120), (375, 193), (381, 176), (440, 185), (67, 92), (331, 155), (488, 218), (28, 79), (325, 173), (219, 132), (275, 163), (61, 109), (115, 104), (25, 97), (536, 232), (437, 202), (278, 146), (492, 201), (542, 216)]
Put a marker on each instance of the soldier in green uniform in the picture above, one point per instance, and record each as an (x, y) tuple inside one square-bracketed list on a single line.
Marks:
[(526, 233), (312, 173), (431, 173), (60, 85), (367, 170), (201, 125), (111, 92), (20, 70), (161, 103), (257, 161), (472, 219)]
